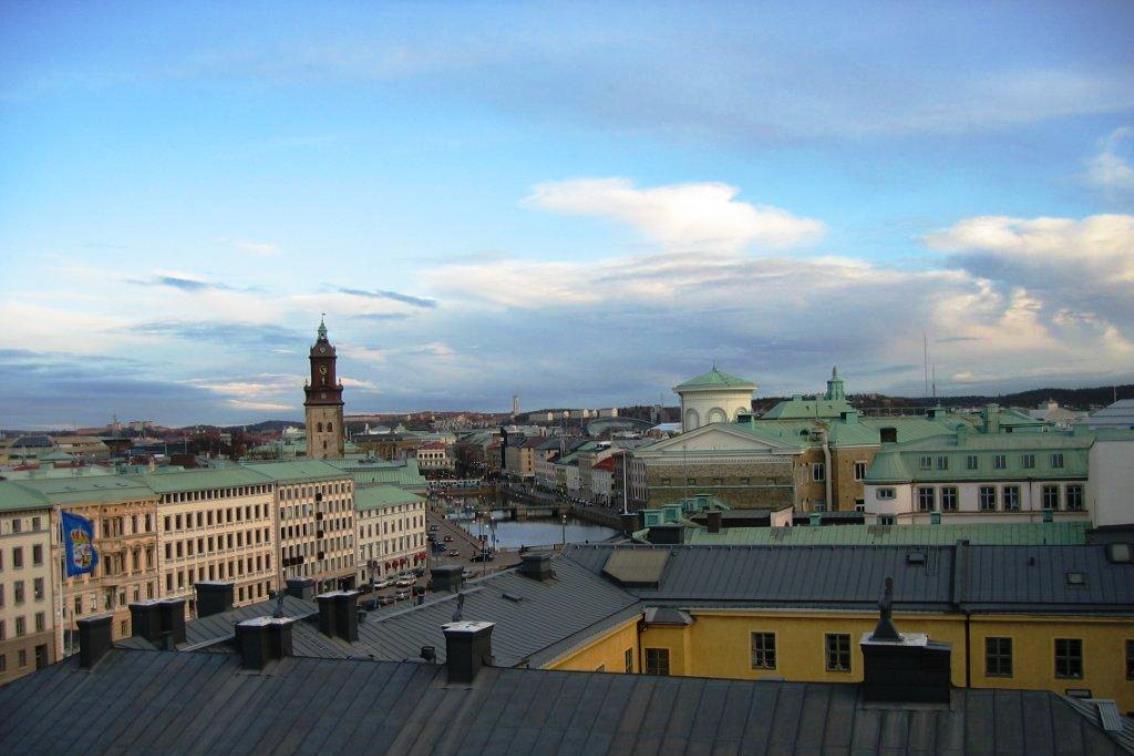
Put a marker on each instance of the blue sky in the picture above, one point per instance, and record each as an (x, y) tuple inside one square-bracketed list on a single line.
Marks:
[(581, 204)]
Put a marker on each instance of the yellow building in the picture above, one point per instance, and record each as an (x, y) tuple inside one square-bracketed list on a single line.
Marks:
[(1042, 618), (26, 588)]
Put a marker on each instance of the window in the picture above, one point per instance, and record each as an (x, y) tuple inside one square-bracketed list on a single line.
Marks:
[(1057, 461), (949, 499), (1069, 658), (998, 657), (926, 462), (1130, 660), (942, 463), (1011, 496), (657, 661), (972, 462), (1074, 498), (1050, 496), (763, 650), (884, 493), (17, 557), (18, 591), (37, 589), (1028, 461), (838, 652), (818, 471), (40, 622), (629, 658), (37, 554), (859, 470), (21, 627), (987, 499), (1000, 461), (925, 499), (887, 520)]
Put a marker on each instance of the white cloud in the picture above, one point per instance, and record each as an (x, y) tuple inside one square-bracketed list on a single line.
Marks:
[(263, 249), (1109, 169), (260, 406), (704, 215)]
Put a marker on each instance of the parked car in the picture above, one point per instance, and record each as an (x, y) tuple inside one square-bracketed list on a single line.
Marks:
[(484, 556), (402, 595), (380, 584), (419, 571), (404, 582), (448, 539), (385, 600), (433, 528), (454, 553)]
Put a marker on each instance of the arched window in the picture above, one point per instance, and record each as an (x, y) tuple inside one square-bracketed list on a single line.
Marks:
[(692, 420), (328, 427), (319, 427), (717, 415)]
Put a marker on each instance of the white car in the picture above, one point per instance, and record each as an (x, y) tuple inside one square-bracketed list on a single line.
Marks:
[(404, 582), (380, 584)]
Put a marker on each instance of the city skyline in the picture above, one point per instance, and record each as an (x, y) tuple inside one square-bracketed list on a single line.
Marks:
[(584, 204)]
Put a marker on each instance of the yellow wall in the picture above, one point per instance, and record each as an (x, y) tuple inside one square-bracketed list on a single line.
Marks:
[(718, 644), (1033, 654), (607, 651)]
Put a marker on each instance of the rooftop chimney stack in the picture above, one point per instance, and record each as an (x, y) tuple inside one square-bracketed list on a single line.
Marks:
[(468, 647), (214, 597), (714, 520), (629, 522), (537, 566), (903, 668), (447, 577), (152, 618), (301, 588), (263, 639), (95, 639), (338, 615)]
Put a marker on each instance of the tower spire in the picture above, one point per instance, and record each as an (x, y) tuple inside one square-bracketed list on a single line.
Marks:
[(323, 327)]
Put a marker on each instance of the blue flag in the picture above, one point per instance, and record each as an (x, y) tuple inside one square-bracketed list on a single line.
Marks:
[(78, 540)]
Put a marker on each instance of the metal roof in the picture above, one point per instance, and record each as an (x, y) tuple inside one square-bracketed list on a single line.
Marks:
[(152, 701), (1000, 534), (382, 496), (715, 379)]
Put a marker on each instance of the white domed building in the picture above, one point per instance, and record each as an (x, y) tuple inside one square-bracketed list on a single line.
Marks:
[(714, 397)]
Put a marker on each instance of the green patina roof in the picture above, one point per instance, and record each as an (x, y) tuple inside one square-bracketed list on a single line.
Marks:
[(715, 379), (902, 463), (199, 480), (15, 497), (298, 471), (798, 408), (398, 473), (95, 488), (380, 497), (988, 534)]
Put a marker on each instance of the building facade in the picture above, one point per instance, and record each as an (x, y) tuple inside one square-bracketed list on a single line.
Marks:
[(714, 397), (316, 523), (323, 402), (27, 600), (391, 531)]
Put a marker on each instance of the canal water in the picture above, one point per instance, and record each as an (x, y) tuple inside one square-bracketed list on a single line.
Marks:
[(512, 534)]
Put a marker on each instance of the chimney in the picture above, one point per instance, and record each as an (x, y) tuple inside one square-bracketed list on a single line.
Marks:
[(713, 517), (814, 518), (537, 566), (263, 639), (902, 668), (888, 435), (301, 588), (338, 615), (667, 534), (446, 577), (95, 639), (152, 618), (468, 647), (629, 522), (991, 418), (213, 597)]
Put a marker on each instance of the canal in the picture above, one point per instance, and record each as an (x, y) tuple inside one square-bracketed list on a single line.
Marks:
[(512, 534)]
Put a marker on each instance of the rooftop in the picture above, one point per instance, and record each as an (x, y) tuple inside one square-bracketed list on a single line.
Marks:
[(715, 379)]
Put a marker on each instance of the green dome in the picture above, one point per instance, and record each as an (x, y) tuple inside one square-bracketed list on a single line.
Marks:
[(715, 379)]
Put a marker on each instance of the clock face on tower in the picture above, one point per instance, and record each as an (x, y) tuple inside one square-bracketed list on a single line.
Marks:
[(323, 369)]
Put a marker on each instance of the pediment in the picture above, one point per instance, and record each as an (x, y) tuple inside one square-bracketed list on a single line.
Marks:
[(716, 437)]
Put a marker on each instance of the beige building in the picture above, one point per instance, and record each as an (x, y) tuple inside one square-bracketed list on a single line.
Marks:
[(26, 586), (316, 522), (215, 524), (391, 531)]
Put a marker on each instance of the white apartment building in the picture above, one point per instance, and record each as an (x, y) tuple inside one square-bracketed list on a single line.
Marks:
[(391, 531)]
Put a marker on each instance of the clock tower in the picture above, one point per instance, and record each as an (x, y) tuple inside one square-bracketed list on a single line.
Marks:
[(323, 405)]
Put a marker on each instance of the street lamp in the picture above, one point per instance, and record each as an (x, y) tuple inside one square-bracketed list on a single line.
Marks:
[(564, 531)]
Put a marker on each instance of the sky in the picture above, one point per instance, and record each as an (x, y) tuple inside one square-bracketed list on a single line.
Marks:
[(581, 204)]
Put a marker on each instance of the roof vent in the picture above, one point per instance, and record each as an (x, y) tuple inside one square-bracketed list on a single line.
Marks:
[(1078, 693), (513, 597), (1108, 715), (1119, 553), (915, 557), (1076, 578)]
